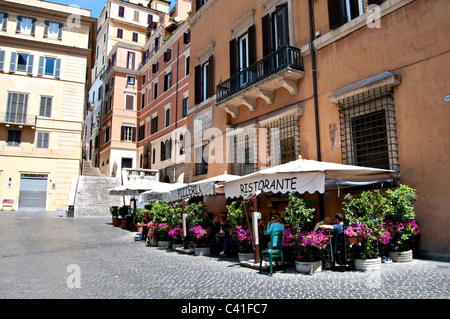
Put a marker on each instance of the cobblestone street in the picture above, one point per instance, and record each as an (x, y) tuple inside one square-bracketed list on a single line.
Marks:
[(41, 255)]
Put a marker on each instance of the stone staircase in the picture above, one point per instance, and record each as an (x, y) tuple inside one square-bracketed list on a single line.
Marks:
[(92, 198), (89, 170)]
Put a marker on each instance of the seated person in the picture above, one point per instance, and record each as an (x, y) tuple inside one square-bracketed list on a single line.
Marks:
[(326, 221), (274, 224), (337, 227)]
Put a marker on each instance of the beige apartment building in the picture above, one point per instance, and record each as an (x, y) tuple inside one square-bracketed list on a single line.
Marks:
[(46, 53), (372, 92)]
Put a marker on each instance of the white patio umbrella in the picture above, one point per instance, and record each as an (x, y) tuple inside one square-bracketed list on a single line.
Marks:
[(301, 176)]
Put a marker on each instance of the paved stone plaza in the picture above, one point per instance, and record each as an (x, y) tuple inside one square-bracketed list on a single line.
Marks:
[(44, 256)]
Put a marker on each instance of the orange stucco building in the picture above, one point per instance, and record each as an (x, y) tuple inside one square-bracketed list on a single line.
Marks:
[(372, 92)]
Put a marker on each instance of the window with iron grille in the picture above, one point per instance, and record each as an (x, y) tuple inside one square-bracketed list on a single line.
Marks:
[(244, 158), (283, 140), (368, 130)]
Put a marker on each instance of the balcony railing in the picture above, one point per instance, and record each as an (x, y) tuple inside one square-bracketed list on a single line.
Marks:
[(17, 118), (285, 57)]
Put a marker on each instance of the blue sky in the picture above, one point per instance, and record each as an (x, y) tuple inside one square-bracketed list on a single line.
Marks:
[(96, 6)]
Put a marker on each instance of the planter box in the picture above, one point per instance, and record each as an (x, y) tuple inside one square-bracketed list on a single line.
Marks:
[(308, 267), (202, 251), (401, 256), (355, 240), (115, 221), (164, 243), (246, 256), (368, 264), (123, 223)]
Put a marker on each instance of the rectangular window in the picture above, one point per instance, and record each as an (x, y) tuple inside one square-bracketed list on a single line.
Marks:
[(154, 125), (25, 25), (136, 15), (121, 11), (107, 134), (167, 81), (53, 30), (128, 134), (155, 91), (141, 132), (3, 21), (22, 62), (284, 140), (204, 80), (368, 132), (131, 80), (167, 118), (201, 165), (14, 138), (17, 106), (184, 110), (119, 33), (49, 68), (129, 102), (135, 37), (244, 152), (188, 59), (42, 140), (45, 109), (131, 60), (143, 101)]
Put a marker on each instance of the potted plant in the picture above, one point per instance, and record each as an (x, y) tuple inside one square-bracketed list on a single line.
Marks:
[(299, 216), (366, 215), (175, 235), (400, 221), (307, 251), (244, 242), (123, 212), (201, 238), (115, 215)]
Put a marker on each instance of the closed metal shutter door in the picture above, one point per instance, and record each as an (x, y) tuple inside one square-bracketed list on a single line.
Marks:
[(33, 192)]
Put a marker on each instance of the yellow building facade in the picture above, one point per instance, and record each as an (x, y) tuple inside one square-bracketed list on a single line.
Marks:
[(45, 54)]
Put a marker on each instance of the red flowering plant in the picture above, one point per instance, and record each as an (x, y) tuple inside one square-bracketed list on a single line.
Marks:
[(309, 244)]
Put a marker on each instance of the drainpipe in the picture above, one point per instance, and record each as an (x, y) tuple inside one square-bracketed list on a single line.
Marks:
[(316, 106), (176, 117)]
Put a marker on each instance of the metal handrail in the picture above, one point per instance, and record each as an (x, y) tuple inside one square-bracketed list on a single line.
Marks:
[(279, 60)]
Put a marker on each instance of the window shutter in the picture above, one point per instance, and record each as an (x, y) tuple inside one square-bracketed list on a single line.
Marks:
[(233, 57), (2, 60), (198, 84), (41, 66), (122, 133), (133, 136), (4, 21), (267, 34), (251, 45), (33, 26), (369, 2), (211, 77), (336, 13), (60, 30), (30, 64), (46, 24), (18, 24), (13, 63), (58, 68), (121, 12), (282, 25), (163, 149)]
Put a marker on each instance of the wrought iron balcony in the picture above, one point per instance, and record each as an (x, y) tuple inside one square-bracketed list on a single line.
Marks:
[(281, 68), (17, 118)]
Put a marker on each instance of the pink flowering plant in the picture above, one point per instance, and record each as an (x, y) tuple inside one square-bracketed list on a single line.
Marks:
[(200, 235), (366, 216), (162, 231), (243, 238), (309, 245), (174, 234), (400, 218)]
